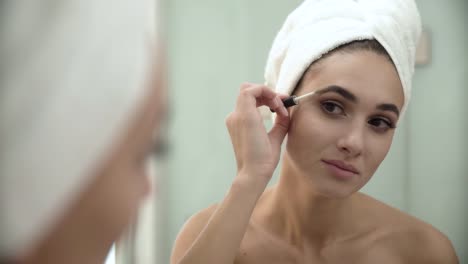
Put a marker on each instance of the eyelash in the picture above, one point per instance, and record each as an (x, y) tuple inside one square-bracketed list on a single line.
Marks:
[(158, 149), (389, 124), (331, 103)]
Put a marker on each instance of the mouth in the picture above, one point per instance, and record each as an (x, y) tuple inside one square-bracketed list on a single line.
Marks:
[(341, 169)]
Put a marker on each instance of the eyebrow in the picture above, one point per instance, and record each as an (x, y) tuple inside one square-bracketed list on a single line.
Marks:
[(339, 90), (351, 97), (389, 107)]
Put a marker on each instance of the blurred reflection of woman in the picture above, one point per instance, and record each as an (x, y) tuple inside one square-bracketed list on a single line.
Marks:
[(79, 105)]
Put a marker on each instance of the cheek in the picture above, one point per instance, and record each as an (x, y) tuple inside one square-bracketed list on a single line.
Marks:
[(378, 148), (126, 181), (308, 137), (114, 197), (139, 176)]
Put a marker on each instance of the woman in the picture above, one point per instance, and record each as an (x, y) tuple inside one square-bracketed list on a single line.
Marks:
[(359, 62), (77, 126)]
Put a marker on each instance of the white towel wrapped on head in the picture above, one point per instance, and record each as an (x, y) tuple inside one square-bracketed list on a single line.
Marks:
[(318, 26), (74, 75)]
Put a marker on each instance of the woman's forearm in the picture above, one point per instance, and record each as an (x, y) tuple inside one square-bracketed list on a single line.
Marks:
[(257, 154), (220, 239)]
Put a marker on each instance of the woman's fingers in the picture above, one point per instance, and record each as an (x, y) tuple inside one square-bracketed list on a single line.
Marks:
[(256, 150), (279, 130), (253, 96)]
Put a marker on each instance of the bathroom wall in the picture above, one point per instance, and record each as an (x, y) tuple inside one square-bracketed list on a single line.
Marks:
[(214, 46)]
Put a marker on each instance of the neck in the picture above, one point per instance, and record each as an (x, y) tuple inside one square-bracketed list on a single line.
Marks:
[(301, 215)]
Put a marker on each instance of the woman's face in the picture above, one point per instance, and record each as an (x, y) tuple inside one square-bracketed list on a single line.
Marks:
[(110, 202), (339, 137)]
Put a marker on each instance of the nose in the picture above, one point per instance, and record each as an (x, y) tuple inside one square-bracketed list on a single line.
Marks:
[(352, 141)]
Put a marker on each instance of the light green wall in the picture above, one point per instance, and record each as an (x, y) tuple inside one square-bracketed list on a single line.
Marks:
[(214, 46), (438, 118)]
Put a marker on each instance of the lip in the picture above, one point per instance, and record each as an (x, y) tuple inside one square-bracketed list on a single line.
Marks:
[(341, 169)]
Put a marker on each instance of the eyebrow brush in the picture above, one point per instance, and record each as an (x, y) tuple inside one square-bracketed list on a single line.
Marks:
[(294, 100)]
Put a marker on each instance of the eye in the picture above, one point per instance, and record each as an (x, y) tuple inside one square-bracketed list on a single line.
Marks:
[(381, 124), (155, 151), (159, 149), (331, 107)]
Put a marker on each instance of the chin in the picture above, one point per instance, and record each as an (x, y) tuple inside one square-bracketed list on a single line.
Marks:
[(334, 190)]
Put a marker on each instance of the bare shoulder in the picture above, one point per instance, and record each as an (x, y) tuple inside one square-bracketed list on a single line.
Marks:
[(420, 242), (190, 232), (432, 246), (414, 240)]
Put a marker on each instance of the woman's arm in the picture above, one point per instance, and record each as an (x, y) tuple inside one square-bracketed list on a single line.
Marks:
[(214, 235)]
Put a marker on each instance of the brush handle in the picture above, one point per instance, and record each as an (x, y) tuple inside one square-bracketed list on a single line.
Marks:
[(287, 102)]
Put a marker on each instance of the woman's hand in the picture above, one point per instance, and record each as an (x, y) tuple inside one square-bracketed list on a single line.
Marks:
[(257, 151), (214, 235)]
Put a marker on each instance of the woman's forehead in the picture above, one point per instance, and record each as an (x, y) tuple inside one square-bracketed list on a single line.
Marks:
[(364, 73)]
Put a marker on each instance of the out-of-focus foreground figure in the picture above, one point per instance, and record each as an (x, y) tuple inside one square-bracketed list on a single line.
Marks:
[(80, 98)]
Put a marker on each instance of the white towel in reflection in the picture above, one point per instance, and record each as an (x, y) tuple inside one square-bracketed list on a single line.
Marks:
[(72, 74)]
